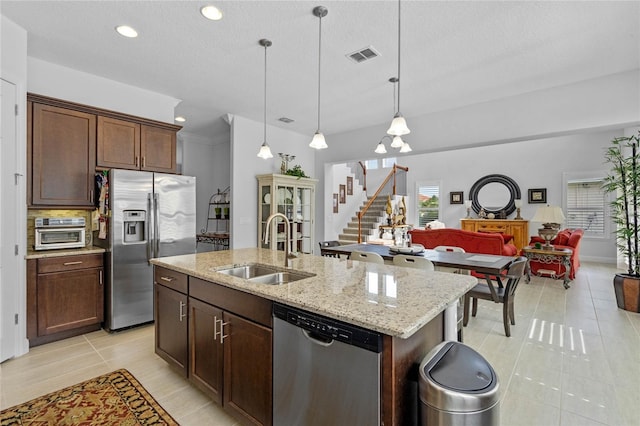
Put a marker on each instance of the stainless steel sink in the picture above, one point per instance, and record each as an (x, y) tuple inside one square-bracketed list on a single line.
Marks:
[(249, 271), (281, 277)]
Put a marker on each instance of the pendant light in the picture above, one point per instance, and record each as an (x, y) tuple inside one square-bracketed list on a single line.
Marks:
[(398, 125), (318, 141), (265, 151), (397, 141)]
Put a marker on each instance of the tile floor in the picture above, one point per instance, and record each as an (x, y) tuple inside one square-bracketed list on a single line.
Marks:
[(573, 359)]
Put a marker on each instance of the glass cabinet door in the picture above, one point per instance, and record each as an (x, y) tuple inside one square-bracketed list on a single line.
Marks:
[(304, 220)]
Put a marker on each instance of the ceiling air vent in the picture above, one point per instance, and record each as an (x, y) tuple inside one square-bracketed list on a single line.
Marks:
[(285, 120), (364, 54)]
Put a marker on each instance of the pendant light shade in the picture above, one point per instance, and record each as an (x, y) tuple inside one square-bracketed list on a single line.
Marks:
[(405, 148), (399, 124), (318, 141), (397, 142), (265, 151)]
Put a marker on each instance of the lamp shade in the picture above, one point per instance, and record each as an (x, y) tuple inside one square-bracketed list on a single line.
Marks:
[(318, 141), (397, 142), (398, 126), (265, 151), (405, 147), (518, 202), (548, 214), (380, 149)]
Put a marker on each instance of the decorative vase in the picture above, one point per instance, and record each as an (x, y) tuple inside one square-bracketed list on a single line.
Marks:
[(627, 290)]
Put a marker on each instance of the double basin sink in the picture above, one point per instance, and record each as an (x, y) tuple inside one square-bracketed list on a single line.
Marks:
[(265, 274)]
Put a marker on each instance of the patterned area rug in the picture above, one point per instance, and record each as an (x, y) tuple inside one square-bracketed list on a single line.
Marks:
[(112, 399)]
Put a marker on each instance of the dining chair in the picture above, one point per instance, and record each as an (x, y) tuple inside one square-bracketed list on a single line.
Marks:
[(452, 270), (505, 295), (366, 256), (413, 262), (324, 244)]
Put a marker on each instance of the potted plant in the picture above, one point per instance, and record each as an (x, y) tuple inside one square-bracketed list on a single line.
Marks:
[(624, 181)]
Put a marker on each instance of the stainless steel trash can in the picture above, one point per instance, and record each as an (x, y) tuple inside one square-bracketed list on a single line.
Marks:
[(458, 387)]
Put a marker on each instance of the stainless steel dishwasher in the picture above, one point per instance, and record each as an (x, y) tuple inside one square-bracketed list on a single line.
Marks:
[(325, 372)]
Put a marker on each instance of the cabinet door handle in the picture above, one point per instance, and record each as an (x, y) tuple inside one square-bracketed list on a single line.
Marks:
[(101, 281), (78, 262), (182, 313), (215, 328), (167, 279), (222, 335), (136, 161), (142, 162)]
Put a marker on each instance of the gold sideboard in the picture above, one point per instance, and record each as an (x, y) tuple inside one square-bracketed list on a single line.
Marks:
[(518, 228)]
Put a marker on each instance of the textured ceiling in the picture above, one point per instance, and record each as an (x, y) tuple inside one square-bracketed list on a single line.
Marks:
[(453, 53)]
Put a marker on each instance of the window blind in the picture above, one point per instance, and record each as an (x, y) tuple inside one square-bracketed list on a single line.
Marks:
[(428, 204), (586, 206)]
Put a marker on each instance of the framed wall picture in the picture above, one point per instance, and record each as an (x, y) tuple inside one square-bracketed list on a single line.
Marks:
[(343, 194), (456, 197), (335, 203), (349, 185), (537, 195)]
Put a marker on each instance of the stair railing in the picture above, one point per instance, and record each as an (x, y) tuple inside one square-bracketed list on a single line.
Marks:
[(364, 176), (363, 211)]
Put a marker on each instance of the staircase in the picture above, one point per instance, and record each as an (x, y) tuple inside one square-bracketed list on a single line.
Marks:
[(370, 222)]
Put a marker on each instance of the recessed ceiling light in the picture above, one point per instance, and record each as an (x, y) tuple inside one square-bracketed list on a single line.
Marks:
[(211, 12), (126, 31), (180, 119)]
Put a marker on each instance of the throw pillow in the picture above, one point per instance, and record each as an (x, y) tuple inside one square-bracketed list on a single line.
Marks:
[(562, 238)]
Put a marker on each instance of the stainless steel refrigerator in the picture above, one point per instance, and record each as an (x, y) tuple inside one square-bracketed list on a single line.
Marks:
[(152, 215)]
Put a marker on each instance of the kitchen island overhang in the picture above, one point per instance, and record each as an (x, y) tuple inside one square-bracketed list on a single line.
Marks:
[(405, 305)]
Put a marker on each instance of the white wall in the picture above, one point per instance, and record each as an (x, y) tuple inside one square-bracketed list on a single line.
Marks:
[(246, 138), (13, 68), (209, 162), (48, 79), (336, 222)]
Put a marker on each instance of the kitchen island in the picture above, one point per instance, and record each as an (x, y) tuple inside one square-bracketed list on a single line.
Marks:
[(405, 305)]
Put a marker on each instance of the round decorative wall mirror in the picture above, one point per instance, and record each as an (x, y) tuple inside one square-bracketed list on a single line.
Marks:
[(494, 194)]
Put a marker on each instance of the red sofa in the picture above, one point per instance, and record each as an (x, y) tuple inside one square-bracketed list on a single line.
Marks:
[(566, 238), (471, 242)]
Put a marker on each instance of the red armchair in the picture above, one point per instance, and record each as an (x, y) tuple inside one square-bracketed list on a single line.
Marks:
[(566, 239)]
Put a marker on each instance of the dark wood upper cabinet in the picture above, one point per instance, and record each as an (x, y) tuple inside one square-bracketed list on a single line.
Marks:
[(63, 156), (158, 150), (68, 141), (118, 144)]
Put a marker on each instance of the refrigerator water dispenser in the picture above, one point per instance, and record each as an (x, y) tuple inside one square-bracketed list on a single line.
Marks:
[(134, 226)]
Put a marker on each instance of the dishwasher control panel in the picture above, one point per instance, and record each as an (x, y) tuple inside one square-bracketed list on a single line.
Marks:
[(328, 328)]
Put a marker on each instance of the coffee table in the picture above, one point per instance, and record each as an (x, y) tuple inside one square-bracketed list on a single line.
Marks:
[(549, 257)]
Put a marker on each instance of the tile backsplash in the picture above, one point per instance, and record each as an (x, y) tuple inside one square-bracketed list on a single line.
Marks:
[(33, 213)]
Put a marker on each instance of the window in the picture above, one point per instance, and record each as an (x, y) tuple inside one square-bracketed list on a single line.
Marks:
[(388, 163), (380, 163), (428, 203), (586, 206)]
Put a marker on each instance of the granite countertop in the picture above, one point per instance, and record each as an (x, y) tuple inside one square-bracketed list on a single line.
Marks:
[(396, 301), (33, 254)]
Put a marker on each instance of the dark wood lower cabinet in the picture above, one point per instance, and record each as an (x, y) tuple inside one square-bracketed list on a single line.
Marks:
[(231, 361), (170, 315), (65, 297)]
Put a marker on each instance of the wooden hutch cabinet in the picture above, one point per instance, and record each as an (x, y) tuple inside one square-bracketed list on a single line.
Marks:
[(518, 228), (295, 198)]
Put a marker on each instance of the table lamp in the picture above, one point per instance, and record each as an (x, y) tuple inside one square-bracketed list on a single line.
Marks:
[(551, 218), (518, 204)]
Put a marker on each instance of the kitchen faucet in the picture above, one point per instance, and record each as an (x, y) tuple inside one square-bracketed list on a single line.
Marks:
[(288, 256)]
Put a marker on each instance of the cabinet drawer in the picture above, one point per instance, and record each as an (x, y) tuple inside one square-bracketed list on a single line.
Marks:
[(69, 263), (172, 279), (493, 227), (238, 302)]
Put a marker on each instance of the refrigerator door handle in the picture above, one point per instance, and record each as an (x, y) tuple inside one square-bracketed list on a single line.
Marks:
[(156, 219), (148, 228)]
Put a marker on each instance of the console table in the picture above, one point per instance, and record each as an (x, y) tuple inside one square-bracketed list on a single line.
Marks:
[(518, 228), (549, 257)]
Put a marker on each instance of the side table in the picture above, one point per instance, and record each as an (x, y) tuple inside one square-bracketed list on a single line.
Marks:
[(549, 257)]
